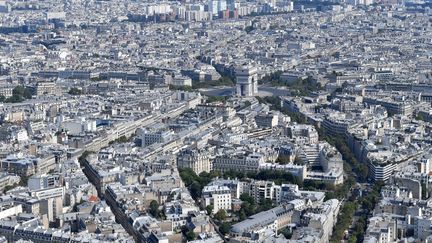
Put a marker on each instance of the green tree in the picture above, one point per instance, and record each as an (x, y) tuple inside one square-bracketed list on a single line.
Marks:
[(209, 209), (18, 91), (27, 93), (181, 88), (9, 187), (298, 161), (187, 175), (19, 94), (248, 209), (286, 232), (75, 91), (220, 215), (190, 235), (122, 139), (24, 180), (424, 192), (363, 172), (211, 99), (247, 198), (265, 205), (420, 117), (283, 159), (344, 221), (242, 215), (352, 239), (225, 80), (154, 208), (301, 86), (196, 183), (224, 228), (195, 189), (14, 99), (248, 29)]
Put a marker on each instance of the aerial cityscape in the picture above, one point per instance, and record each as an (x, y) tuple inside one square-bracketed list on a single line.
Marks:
[(243, 121)]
